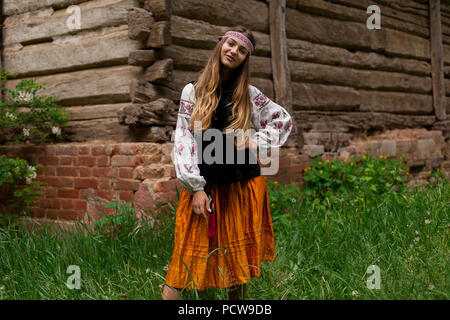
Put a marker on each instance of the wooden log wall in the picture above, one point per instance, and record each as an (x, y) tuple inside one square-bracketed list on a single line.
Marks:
[(131, 59), (86, 69)]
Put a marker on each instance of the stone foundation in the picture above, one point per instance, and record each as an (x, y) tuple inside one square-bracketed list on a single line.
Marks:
[(82, 177)]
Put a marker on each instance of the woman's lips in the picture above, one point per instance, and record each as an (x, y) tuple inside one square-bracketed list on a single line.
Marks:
[(229, 58)]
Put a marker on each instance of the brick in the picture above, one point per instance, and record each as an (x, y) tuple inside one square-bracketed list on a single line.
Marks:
[(86, 183), (58, 181), (99, 150), (80, 204), (169, 185), (66, 214), (85, 150), (123, 161), (66, 171), (66, 150), (102, 172), (49, 171), (50, 150), (105, 194), (126, 149), (85, 172), (49, 160), (104, 183), (65, 161), (122, 184), (142, 173), (67, 204), (68, 193), (83, 193), (57, 203), (295, 169), (127, 196), (167, 196), (46, 203), (51, 192), (103, 161), (126, 173), (88, 161)]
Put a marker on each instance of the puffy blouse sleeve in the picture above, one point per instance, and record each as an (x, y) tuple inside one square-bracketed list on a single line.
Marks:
[(272, 122), (185, 153)]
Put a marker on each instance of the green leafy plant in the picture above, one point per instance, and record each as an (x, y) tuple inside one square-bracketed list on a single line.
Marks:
[(29, 114), (122, 223), (16, 172), (24, 114), (359, 175)]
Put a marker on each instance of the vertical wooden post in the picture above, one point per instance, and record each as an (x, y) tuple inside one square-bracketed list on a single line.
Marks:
[(1, 44), (437, 60), (278, 46)]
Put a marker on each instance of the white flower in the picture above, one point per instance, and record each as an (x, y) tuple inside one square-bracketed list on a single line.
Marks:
[(294, 200), (24, 97), (56, 130), (29, 180), (2, 288), (417, 239), (148, 270), (417, 232), (428, 212), (430, 287), (427, 221), (155, 256), (166, 267), (10, 116), (354, 293), (26, 132), (31, 168)]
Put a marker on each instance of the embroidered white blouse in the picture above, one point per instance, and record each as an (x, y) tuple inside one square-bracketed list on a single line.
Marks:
[(271, 121)]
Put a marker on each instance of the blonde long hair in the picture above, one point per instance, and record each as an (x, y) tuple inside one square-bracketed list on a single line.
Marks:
[(209, 82)]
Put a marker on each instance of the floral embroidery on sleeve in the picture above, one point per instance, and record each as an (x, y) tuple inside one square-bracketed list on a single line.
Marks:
[(184, 150), (272, 121)]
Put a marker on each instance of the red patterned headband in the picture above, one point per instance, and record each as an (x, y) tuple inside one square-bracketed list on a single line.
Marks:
[(239, 36)]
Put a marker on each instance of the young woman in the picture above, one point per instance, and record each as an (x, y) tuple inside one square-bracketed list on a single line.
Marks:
[(223, 228)]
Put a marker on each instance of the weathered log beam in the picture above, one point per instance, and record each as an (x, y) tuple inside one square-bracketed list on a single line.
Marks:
[(202, 35), (160, 35), (161, 9), (345, 13), (142, 57), (142, 91), (159, 72), (348, 121), (159, 112), (279, 59), (437, 60), (92, 49), (52, 24), (87, 87), (140, 23)]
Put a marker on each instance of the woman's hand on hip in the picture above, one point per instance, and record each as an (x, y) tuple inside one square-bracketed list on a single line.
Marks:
[(200, 203)]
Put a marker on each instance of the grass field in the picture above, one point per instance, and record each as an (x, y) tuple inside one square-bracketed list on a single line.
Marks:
[(324, 249)]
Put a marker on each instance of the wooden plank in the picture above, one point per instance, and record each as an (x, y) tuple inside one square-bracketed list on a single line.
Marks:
[(279, 59), (437, 61)]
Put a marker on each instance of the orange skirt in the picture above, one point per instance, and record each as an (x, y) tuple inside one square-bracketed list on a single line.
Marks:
[(243, 238)]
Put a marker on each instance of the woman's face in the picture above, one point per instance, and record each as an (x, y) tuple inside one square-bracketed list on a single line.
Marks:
[(233, 53)]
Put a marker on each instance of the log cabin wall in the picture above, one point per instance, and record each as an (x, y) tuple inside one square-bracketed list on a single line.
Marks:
[(120, 76)]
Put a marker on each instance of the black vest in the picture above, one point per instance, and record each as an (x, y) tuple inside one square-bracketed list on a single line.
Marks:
[(226, 173)]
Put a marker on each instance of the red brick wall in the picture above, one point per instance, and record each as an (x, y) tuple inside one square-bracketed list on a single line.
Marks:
[(83, 177)]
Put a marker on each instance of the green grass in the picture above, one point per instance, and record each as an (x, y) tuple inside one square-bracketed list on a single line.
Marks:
[(324, 248)]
